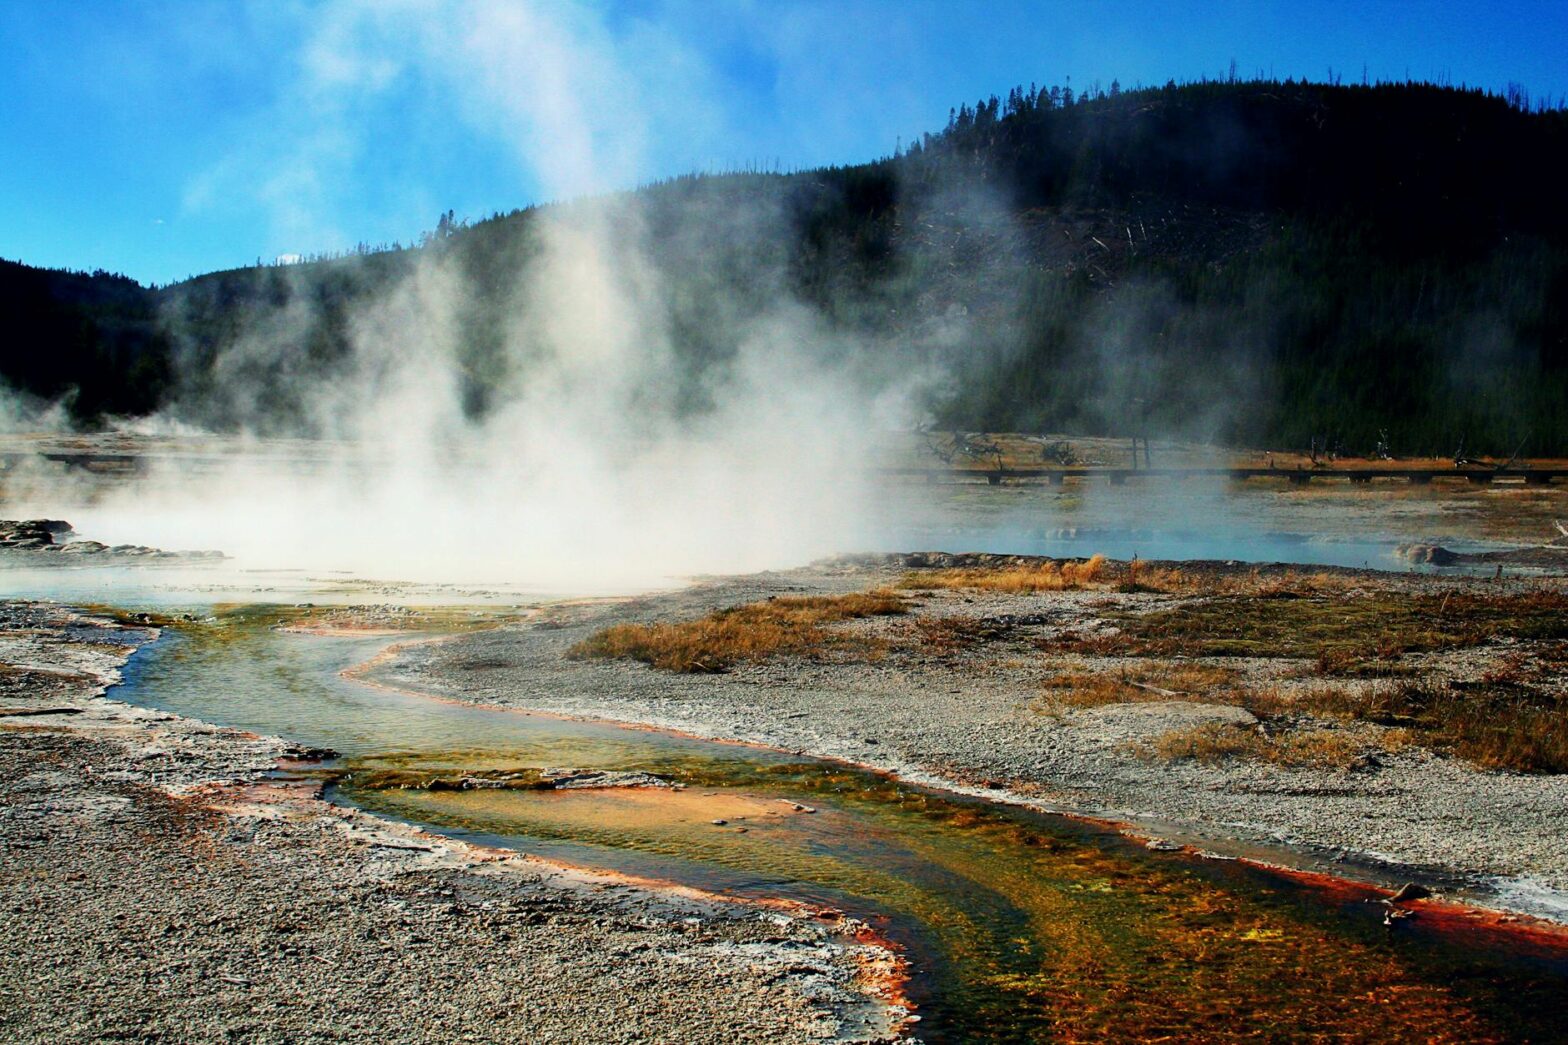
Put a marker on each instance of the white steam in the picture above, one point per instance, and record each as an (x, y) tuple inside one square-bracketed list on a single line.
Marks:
[(586, 471)]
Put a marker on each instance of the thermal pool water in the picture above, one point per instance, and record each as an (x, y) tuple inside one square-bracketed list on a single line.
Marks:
[(1018, 925)]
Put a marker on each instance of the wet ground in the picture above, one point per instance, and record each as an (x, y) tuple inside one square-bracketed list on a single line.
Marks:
[(1018, 924), (162, 883)]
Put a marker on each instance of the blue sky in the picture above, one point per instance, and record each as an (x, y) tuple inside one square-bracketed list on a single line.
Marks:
[(167, 139)]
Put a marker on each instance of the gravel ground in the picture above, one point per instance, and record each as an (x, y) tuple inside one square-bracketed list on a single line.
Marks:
[(156, 884), (974, 722)]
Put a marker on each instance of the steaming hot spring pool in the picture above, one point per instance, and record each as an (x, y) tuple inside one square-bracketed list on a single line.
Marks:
[(1017, 925)]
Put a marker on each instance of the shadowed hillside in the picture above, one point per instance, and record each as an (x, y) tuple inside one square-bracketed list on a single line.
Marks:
[(94, 340), (1259, 262)]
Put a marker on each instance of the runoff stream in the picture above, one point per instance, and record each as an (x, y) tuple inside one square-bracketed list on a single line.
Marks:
[(1018, 926)]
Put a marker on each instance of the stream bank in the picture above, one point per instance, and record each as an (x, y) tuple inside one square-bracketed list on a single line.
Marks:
[(1116, 932), (975, 721), (161, 883), (1015, 924)]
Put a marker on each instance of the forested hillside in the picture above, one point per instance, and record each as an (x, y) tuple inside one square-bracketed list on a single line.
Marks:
[(1405, 270), (95, 339), (1258, 262)]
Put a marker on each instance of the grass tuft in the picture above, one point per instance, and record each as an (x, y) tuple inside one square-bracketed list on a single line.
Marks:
[(1494, 725), (1045, 575), (1219, 742), (949, 637), (1367, 628), (1346, 662), (753, 632), (1149, 681)]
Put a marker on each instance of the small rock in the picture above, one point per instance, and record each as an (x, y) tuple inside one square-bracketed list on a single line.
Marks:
[(1429, 554), (313, 754)]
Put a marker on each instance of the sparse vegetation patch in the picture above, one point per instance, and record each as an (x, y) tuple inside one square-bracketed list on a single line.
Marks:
[(753, 632), (1146, 681), (947, 637), (1494, 725), (1343, 662), (1308, 748), (1024, 578), (1027, 576), (1346, 630)]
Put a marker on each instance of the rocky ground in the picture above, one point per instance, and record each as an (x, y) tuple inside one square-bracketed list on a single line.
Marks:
[(977, 720), (159, 882), (53, 542)]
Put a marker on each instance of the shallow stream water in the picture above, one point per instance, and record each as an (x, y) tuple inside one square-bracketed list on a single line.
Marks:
[(1018, 925)]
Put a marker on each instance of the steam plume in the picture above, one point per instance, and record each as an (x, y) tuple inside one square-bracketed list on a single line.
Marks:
[(590, 466)]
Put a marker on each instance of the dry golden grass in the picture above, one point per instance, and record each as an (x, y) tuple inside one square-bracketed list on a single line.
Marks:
[(1099, 573), (1155, 680), (756, 631), (1369, 626), (1287, 460), (1495, 725), (1046, 575), (947, 637), (1339, 662), (1149, 681), (1290, 584), (1137, 576), (1218, 742)]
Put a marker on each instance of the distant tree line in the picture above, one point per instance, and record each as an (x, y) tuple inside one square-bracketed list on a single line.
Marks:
[(92, 340), (1265, 262)]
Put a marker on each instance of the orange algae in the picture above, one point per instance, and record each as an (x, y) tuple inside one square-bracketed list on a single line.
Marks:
[(1023, 927)]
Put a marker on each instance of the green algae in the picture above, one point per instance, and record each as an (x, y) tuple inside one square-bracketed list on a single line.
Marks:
[(1027, 927), (1019, 926)]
